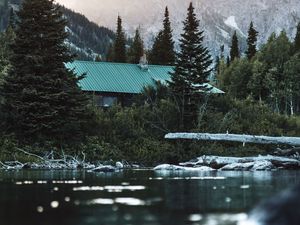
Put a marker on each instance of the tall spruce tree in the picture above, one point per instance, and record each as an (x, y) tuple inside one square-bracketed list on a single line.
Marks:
[(41, 97), (251, 42), (191, 72), (162, 52), (155, 55), (297, 40), (136, 50), (167, 42), (120, 44), (234, 50)]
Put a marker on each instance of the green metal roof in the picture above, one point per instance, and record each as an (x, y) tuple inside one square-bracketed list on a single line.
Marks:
[(120, 77)]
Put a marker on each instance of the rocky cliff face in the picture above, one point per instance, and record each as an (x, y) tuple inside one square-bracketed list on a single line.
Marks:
[(219, 18)]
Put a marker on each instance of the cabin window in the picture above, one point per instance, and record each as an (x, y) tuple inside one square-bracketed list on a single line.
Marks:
[(105, 101)]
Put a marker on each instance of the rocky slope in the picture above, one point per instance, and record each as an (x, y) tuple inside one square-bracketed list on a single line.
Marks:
[(219, 18), (86, 39)]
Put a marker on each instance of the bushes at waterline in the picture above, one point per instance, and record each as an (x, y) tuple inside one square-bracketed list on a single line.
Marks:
[(136, 134)]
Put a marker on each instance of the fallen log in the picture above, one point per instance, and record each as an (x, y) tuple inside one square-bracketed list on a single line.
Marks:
[(292, 141)]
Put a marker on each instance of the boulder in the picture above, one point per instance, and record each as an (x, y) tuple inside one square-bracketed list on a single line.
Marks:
[(168, 167), (105, 169)]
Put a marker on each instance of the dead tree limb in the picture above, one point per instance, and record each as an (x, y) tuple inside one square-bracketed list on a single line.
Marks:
[(292, 141)]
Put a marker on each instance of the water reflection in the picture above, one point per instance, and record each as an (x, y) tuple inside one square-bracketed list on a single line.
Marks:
[(134, 197)]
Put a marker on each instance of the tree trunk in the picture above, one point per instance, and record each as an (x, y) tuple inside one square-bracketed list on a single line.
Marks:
[(293, 141)]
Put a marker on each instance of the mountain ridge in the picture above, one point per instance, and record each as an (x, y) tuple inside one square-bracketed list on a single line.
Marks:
[(86, 39), (218, 18)]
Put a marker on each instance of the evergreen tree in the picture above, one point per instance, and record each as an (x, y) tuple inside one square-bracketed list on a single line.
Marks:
[(192, 70), (297, 39), (234, 50), (41, 97), (218, 61), (110, 53), (163, 48), (120, 43), (155, 55), (228, 61), (251, 42), (136, 50), (167, 42)]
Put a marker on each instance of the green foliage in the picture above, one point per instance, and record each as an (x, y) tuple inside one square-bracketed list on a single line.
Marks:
[(236, 77), (162, 52), (225, 114), (234, 49), (251, 42), (47, 109), (271, 77), (41, 96), (297, 40), (6, 39), (192, 70), (136, 50), (155, 55), (120, 44), (87, 35)]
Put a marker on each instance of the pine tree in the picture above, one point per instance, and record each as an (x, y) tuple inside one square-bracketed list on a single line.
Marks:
[(136, 50), (297, 39), (234, 50), (167, 41), (192, 70), (251, 42), (120, 43), (228, 61), (110, 53), (163, 48), (155, 55), (41, 96)]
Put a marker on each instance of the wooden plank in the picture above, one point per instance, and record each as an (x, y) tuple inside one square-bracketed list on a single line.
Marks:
[(293, 141)]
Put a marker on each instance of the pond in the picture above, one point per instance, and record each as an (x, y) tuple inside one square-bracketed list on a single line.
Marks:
[(134, 197)]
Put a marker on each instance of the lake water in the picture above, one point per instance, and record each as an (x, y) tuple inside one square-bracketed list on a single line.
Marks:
[(135, 197)]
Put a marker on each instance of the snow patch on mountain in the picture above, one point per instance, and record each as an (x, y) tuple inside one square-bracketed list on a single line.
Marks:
[(230, 21), (218, 18)]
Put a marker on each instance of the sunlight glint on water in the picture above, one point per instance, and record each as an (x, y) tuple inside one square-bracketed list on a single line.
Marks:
[(135, 197)]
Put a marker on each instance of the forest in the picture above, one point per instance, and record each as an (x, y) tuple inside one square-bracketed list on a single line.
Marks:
[(85, 39), (43, 110)]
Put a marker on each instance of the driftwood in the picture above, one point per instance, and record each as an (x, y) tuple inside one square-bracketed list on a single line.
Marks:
[(62, 162), (292, 141), (47, 162)]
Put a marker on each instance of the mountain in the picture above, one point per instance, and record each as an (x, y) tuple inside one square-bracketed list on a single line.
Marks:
[(86, 39), (218, 18)]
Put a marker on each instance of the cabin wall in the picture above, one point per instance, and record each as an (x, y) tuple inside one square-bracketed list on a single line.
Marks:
[(108, 99)]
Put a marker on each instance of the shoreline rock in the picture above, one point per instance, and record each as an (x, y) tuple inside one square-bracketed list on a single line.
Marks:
[(267, 162), (169, 167), (203, 163)]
